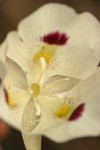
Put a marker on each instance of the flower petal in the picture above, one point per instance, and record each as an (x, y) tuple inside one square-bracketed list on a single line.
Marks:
[(81, 55), (19, 51), (59, 84), (89, 123), (3, 50), (4, 110), (77, 60), (13, 115), (51, 17), (30, 119), (86, 28), (2, 71), (15, 75), (2, 75), (32, 141), (49, 106), (90, 86)]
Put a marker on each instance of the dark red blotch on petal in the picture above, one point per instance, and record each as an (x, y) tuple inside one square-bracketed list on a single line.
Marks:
[(6, 95), (77, 112), (57, 38)]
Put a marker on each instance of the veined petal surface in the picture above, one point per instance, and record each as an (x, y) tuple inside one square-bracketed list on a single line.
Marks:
[(12, 113), (15, 75), (88, 124), (81, 55)]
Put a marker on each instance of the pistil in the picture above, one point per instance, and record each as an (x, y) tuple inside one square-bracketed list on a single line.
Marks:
[(36, 89)]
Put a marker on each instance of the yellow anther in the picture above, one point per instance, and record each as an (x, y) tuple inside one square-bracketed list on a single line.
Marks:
[(36, 89), (63, 110)]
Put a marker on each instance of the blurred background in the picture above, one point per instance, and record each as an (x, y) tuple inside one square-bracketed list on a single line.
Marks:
[(11, 12)]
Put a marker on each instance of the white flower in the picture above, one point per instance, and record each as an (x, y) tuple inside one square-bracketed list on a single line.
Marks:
[(53, 82)]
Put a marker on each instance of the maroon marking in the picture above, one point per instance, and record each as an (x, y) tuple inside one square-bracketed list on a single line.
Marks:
[(6, 95), (57, 38), (77, 112)]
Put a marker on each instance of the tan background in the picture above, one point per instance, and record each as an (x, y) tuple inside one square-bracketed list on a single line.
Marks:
[(11, 12)]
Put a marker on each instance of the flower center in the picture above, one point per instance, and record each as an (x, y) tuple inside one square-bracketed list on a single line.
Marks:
[(36, 89)]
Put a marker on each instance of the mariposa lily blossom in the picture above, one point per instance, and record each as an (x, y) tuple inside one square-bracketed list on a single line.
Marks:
[(52, 86)]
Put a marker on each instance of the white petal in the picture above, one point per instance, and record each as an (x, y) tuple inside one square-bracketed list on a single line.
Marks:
[(47, 121), (30, 119), (85, 88), (90, 86), (49, 106), (4, 111), (86, 28), (89, 123), (58, 84), (3, 50), (18, 51), (83, 48), (48, 18), (2, 95), (32, 142), (79, 58), (15, 75), (21, 52), (2, 75), (13, 115), (2, 71)]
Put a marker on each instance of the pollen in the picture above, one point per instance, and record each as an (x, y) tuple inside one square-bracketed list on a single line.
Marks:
[(47, 52), (36, 89), (63, 110)]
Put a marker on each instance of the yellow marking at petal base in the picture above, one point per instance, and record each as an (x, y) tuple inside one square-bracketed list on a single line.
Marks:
[(47, 52), (36, 89), (10, 101), (64, 109)]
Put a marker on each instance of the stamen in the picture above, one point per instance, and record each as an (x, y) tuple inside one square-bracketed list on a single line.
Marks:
[(40, 55), (47, 52), (38, 110), (64, 109), (43, 63), (36, 89)]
